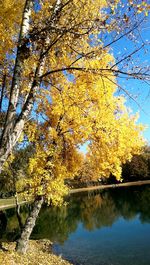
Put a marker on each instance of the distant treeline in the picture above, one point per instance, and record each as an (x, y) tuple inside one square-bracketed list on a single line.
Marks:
[(136, 169)]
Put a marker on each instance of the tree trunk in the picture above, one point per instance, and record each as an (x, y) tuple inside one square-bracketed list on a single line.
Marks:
[(10, 135), (13, 127), (22, 243)]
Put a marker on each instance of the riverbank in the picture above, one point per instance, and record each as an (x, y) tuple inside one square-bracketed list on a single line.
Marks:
[(110, 186), (39, 252), (10, 202)]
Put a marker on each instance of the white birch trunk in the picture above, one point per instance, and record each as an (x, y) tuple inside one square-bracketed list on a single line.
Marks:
[(7, 137), (19, 64), (13, 130)]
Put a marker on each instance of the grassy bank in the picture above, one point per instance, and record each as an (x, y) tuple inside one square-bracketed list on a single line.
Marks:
[(9, 203)]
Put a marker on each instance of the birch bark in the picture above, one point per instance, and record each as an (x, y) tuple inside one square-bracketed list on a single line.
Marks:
[(7, 140), (13, 128)]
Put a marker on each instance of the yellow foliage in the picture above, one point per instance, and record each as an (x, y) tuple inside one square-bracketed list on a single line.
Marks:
[(72, 107), (85, 110), (38, 254), (10, 20)]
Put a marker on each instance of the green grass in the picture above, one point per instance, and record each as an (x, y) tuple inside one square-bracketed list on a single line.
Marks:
[(8, 203)]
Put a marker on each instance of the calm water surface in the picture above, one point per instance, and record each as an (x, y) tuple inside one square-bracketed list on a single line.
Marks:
[(100, 228)]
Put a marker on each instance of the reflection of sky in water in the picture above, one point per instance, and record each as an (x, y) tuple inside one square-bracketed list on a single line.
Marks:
[(125, 243)]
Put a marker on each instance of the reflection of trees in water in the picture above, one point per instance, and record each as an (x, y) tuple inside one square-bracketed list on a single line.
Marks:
[(144, 205), (55, 224), (98, 211), (126, 202), (3, 223), (12, 229), (132, 201), (93, 210)]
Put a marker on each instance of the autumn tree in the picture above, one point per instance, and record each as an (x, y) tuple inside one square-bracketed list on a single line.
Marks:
[(56, 68)]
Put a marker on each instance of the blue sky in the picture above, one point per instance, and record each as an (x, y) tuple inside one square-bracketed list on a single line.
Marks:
[(139, 90)]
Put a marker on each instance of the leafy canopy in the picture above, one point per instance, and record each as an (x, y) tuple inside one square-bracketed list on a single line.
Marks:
[(63, 91)]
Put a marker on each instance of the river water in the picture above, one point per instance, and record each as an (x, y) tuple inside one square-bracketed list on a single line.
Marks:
[(110, 227)]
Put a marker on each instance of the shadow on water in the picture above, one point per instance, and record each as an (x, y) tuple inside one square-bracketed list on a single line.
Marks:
[(88, 219)]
